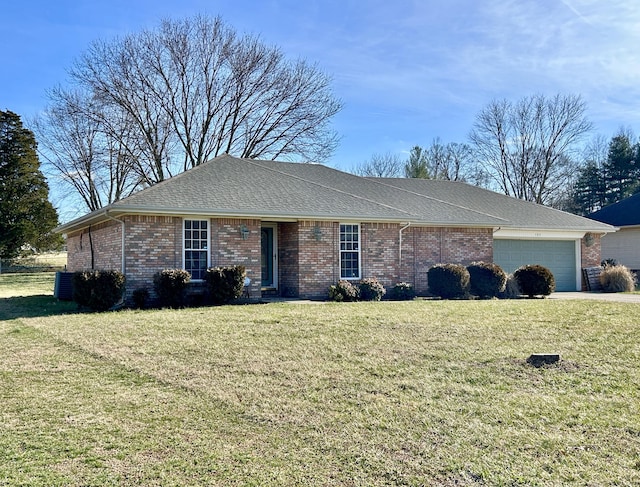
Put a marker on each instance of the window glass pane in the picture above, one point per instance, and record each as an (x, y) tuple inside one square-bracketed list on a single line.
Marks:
[(349, 254), (195, 248), (349, 265)]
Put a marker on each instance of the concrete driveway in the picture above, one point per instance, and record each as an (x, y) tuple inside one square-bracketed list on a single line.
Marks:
[(618, 297)]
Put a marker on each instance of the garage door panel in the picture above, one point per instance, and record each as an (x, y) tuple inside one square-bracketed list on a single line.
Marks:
[(557, 255)]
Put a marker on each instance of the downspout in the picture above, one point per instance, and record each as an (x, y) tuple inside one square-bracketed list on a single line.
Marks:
[(93, 265), (400, 246)]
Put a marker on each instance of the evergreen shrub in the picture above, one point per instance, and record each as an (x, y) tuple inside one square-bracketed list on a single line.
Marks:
[(371, 289), (140, 297), (171, 287), (448, 280), (344, 291), (486, 279), (98, 290), (535, 280), (225, 283), (402, 291), (511, 288)]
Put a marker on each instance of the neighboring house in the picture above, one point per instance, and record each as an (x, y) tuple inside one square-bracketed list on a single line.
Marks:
[(624, 245), (298, 228)]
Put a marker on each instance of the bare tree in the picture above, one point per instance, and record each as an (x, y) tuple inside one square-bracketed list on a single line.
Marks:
[(386, 165), (452, 161), (197, 83), (92, 159), (527, 147)]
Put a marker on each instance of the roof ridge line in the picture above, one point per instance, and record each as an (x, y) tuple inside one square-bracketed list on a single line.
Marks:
[(381, 181), (255, 162)]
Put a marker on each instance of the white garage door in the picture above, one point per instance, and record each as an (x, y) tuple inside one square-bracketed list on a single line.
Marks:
[(559, 256)]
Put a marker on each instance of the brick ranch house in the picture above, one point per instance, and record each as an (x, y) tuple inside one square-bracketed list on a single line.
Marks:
[(298, 228)]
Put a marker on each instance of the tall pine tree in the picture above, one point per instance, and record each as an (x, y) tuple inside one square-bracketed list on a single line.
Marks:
[(621, 168), (27, 218), (589, 191)]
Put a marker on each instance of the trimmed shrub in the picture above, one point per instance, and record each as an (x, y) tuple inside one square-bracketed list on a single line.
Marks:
[(344, 291), (535, 280), (225, 283), (98, 290), (403, 291), (448, 280), (511, 288), (82, 287), (371, 289), (486, 279), (617, 279), (171, 287), (140, 297)]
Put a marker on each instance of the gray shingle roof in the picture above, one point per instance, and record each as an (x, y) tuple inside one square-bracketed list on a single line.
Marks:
[(520, 214), (228, 186)]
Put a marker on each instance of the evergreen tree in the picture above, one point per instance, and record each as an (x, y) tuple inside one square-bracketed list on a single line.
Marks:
[(589, 191), (417, 165), (621, 170), (27, 218)]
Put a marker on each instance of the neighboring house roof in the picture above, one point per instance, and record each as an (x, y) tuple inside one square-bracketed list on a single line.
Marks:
[(621, 214), (232, 187)]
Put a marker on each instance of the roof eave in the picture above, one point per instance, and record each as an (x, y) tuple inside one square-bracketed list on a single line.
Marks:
[(100, 216)]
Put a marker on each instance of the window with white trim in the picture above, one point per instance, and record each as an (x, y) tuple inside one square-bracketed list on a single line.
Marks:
[(196, 247), (349, 251)]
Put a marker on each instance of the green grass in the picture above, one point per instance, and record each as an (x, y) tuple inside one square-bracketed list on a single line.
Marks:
[(47, 261), (358, 394)]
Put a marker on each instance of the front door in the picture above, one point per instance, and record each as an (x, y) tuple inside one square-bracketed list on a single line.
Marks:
[(269, 252)]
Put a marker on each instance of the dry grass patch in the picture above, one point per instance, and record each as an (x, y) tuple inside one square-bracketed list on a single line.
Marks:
[(407, 393)]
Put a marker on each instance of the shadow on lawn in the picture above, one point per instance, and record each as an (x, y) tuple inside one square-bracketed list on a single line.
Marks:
[(34, 306)]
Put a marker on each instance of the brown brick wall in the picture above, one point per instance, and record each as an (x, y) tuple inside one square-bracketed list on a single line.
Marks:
[(317, 258), (590, 247), (319, 265), (153, 243), (438, 245), (590, 253), (288, 255), (380, 254), (308, 251), (228, 247), (106, 240)]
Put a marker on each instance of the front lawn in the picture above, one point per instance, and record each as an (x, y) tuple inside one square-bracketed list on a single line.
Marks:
[(359, 394)]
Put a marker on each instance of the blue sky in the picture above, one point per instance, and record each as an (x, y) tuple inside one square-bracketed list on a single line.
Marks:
[(407, 71)]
